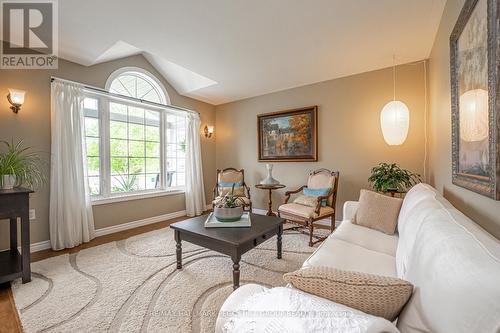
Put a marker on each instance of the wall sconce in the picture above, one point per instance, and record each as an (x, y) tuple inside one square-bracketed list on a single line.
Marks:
[(16, 99), (209, 130)]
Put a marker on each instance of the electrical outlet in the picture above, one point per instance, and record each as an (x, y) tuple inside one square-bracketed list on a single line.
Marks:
[(32, 214)]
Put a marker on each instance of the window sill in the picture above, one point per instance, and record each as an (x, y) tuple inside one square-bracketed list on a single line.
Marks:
[(137, 196)]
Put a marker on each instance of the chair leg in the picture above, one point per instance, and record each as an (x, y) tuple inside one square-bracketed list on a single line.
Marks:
[(311, 230), (332, 224)]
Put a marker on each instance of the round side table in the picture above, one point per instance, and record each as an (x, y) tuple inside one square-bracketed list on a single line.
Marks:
[(270, 188)]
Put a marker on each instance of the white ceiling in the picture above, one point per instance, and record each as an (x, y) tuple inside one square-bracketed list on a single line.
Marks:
[(225, 50)]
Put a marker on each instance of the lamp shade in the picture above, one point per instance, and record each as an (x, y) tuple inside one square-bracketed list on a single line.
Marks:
[(395, 121), (474, 115), (16, 96)]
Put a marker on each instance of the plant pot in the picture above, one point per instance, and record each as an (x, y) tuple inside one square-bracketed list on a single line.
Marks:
[(8, 182), (228, 214)]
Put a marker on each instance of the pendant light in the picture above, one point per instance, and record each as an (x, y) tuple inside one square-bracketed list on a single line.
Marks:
[(395, 117)]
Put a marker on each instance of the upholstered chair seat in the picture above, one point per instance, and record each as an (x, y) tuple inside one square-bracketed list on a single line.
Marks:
[(292, 210)]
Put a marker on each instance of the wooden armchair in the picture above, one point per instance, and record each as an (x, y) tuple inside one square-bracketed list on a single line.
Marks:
[(311, 211), (228, 177)]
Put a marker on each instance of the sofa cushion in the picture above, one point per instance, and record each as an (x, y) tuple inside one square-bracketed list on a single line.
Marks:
[(418, 206), (377, 295), (368, 238), (378, 211), (303, 211), (455, 267), (337, 253)]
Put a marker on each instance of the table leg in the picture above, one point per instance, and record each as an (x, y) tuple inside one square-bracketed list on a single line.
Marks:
[(280, 232), (236, 273), (270, 205), (25, 247), (13, 234), (178, 249)]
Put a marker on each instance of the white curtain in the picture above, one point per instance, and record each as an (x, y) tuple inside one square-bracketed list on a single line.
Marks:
[(195, 191), (71, 220)]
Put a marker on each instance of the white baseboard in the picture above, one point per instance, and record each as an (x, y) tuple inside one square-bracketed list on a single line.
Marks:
[(44, 245), (35, 247), (139, 223)]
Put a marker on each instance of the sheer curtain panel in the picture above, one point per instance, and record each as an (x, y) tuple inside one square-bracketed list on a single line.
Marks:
[(195, 191), (71, 220)]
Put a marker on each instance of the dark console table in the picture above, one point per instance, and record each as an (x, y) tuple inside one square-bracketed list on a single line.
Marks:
[(13, 204)]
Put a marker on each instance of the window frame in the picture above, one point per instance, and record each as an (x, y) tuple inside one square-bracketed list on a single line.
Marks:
[(141, 72), (105, 192)]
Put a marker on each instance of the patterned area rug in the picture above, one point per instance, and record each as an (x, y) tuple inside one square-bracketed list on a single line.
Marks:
[(133, 285)]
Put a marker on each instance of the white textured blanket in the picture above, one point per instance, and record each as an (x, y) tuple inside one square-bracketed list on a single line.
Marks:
[(290, 310)]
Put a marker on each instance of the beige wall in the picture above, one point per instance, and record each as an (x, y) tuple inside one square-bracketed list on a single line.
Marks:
[(350, 139), (485, 211), (32, 124)]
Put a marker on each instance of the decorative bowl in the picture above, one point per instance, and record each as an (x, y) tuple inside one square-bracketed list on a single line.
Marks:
[(228, 214)]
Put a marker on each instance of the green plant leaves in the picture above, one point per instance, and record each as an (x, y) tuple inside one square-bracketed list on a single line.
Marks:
[(25, 165), (387, 176)]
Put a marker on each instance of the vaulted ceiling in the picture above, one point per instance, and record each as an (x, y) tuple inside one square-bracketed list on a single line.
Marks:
[(225, 50)]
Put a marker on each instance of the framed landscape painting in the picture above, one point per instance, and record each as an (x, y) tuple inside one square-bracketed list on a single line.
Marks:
[(289, 135), (474, 51)]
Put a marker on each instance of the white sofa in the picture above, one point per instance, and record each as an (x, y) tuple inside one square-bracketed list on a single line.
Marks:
[(452, 262)]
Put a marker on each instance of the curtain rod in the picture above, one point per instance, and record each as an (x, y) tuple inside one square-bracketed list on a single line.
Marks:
[(133, 99)]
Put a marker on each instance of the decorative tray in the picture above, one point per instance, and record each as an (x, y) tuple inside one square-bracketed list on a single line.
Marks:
[(212, 222)]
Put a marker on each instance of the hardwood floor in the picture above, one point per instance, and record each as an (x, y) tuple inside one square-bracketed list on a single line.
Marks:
[(9, 318), (8, 314)]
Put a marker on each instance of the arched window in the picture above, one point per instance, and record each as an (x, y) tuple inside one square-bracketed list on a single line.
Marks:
[(137, 83), (133, 147)]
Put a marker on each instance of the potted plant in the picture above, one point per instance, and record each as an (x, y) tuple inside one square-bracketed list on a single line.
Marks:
[(19, 166), (387, 177), (229, 209)]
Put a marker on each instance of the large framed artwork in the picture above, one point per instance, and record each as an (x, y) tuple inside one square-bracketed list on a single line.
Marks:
[(475, 105), (289, 135)]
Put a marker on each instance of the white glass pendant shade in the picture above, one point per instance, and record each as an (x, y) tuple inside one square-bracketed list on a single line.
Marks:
[(474, 115), (395, 121)]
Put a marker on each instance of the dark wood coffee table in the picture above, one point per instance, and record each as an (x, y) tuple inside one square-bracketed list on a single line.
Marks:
[(233, 242)]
